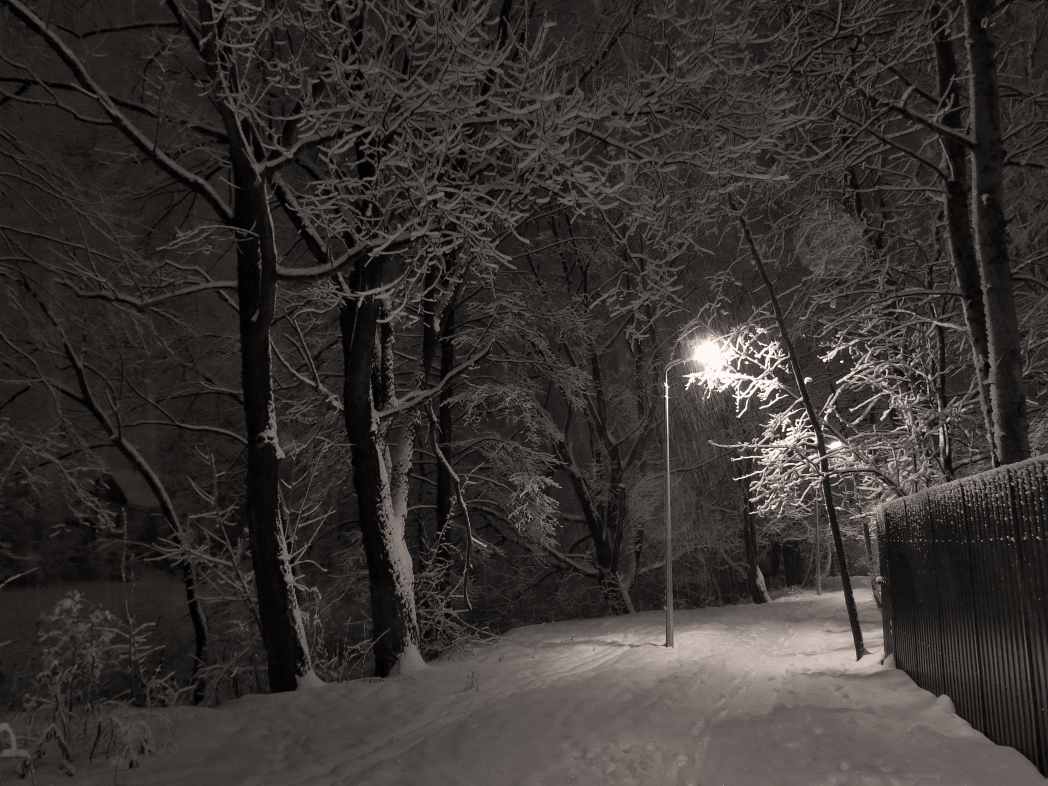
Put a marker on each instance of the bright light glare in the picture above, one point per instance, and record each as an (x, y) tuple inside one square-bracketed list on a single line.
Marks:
[(834, 444), (710, 355)]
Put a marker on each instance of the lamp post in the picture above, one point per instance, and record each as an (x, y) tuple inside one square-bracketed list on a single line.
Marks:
[(669, 512), (709, 355)]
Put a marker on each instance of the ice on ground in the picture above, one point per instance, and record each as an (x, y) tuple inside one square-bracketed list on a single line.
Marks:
[(750, 696)]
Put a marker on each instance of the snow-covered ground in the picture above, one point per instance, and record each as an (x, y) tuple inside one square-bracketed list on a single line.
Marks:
[(750, 696)]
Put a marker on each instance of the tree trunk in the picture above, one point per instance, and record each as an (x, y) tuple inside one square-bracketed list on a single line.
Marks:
[(118, 439), (945, 445), (200, 637), (758, 589), (287, 655), (820, 443), (867, 542), (959, 227), (991, 240), (754, 579), (280, 621), (445, 422), (283, 636), (395, 631), (197, 617), (605, 523)]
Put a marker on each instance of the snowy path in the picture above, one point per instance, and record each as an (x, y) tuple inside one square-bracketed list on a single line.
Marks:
[(751, 695)]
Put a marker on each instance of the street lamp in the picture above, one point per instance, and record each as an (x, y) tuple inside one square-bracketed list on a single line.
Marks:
[(710, 354), (711, 357)]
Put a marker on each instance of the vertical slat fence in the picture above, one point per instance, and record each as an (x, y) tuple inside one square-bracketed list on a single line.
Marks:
[(965, 598)]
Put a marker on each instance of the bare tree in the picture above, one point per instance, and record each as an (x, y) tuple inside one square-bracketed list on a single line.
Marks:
[(901, 137), (991, 239), (77, 338), (74, 88)]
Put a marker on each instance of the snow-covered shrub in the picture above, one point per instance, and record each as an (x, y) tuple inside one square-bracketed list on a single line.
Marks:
[(138, 734), (85, 655), (442, 606), (76, 648), (336, 610), (236, 666)]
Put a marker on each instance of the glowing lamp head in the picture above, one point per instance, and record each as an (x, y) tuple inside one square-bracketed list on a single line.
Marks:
[(710, 355)]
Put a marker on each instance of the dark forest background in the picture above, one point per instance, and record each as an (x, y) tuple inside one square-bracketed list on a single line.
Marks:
[(354, 316)]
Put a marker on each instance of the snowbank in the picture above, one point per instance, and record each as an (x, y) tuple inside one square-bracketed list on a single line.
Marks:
[(750, 696)]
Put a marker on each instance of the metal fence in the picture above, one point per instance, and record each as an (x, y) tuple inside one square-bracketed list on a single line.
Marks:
[(965, 602)]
